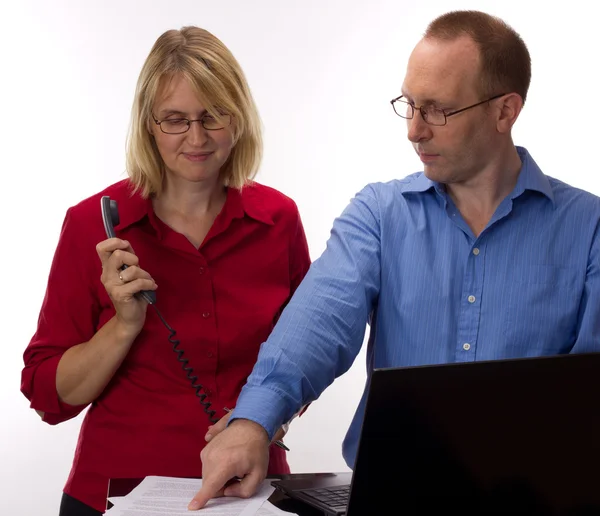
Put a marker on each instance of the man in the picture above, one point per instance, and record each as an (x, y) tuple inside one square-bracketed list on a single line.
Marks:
[(480, 257)]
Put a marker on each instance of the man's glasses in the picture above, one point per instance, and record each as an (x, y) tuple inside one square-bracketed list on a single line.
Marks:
[(431, 114), (182, 125)]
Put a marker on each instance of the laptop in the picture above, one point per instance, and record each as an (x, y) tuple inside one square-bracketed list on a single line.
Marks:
[(503, 437)]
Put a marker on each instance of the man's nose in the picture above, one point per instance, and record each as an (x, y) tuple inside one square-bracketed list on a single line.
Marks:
[(418, 129)]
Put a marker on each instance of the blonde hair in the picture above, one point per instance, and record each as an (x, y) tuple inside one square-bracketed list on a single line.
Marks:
[(221, 86)]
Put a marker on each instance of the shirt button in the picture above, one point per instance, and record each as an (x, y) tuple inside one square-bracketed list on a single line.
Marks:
[(466, 346), (206, 315), (202, 270), (209, 354), (476, 251), (471, 299)]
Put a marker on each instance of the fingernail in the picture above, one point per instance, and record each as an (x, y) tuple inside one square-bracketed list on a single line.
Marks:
[(193, 505), (208, 437)]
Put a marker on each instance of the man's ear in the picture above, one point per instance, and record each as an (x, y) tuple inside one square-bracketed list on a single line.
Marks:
[(509, 110)]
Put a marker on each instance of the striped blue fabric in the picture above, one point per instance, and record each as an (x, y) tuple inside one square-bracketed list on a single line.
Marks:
[(402, 260)]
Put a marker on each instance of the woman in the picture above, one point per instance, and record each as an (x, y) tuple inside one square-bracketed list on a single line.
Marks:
[(222, 253)]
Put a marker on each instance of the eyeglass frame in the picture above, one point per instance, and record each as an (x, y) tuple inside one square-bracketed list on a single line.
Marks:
[(421, 109), (189, 123)]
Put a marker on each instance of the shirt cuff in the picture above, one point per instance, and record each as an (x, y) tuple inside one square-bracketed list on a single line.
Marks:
[(263, 406), (45, 398)]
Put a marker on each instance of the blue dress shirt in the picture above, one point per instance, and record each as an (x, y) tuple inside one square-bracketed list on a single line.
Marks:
[(402, 259)]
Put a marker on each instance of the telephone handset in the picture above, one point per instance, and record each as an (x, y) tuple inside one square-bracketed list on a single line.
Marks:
[(110, 217)]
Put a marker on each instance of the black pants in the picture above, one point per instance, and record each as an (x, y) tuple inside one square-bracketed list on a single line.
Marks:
[(70, 506)]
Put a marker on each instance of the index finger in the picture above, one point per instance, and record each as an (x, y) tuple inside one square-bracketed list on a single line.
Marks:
[(212, 487), (110, 245)]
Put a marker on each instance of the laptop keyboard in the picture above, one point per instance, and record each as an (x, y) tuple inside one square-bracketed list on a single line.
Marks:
[(332, 496)]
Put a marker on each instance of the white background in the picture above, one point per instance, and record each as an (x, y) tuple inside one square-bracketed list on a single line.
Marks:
[(322, 72)]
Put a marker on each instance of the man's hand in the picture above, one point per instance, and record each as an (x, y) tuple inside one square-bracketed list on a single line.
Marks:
[(241, 450), (220, 425)]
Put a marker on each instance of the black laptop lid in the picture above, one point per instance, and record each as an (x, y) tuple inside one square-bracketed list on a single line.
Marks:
[(500, 438)]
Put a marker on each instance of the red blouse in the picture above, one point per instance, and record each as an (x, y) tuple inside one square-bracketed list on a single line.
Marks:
[(222, 299)]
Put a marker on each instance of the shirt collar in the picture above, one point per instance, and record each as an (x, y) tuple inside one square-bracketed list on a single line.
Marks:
[(133, 207), (530, 178), (250, 203), (420, 183)]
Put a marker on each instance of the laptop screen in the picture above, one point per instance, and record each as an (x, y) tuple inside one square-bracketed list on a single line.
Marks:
[(504, 437)]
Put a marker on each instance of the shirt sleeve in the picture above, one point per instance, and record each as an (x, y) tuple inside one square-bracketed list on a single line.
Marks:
[(321, 331), (299, 254), (299, 266), (68, 316), (588, 331)]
